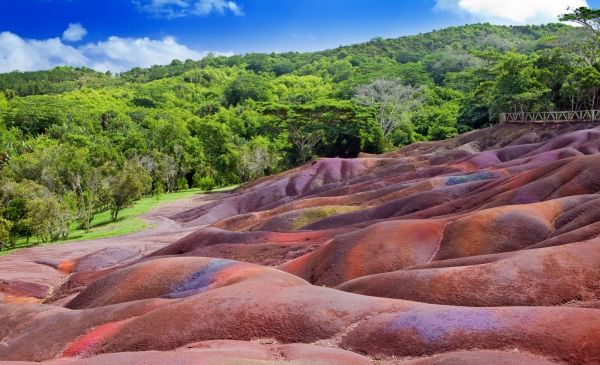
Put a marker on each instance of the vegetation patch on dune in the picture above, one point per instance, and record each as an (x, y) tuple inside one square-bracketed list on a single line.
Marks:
[(311, 215)]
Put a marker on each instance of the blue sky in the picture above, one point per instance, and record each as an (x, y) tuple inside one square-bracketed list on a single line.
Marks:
[(118, 34)]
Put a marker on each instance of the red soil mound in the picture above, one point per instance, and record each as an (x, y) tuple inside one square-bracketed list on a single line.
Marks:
[(227, 353), (14, 291), (483, 249)]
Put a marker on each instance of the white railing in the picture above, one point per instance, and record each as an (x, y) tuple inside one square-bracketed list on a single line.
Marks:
[(551, 117)]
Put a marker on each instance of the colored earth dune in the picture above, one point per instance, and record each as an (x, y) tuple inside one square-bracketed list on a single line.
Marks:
[(483, 249)]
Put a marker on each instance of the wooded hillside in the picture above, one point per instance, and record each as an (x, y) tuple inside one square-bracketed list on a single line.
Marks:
[(74, 142)]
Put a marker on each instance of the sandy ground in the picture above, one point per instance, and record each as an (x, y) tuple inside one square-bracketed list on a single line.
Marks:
[(21, 265)]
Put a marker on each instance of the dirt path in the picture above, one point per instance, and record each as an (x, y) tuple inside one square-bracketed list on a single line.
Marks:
[(21, 265)]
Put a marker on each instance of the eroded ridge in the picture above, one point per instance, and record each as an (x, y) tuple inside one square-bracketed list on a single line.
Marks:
[(483, 249)]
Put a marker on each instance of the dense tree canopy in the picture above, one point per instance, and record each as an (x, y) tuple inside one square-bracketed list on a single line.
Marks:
[(75, 142)]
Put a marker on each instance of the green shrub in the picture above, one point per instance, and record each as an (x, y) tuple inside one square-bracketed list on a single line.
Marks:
[(206, 183), (182, 184)]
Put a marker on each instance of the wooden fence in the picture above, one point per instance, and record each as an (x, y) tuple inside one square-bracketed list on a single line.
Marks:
[(551, 117)]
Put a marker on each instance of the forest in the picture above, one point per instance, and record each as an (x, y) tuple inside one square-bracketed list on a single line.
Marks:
[(75, 142)]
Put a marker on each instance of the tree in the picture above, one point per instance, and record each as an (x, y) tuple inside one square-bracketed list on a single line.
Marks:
[(35, 114), (441, 63), (586, 17), (126, 186), (292, 89), (582, 88), (259, 62), (15, 202), (589, 19), (576, 41), (393, 100), (247, 86), (437, 122), (16, 213), (517, 87), (90, 190), (48, 218), (5, 229), (305, 137), (3, 100), (340, 70), (283, 67), (33, 210), (328, 128), (258, 157), (221, 156), (554, 65)]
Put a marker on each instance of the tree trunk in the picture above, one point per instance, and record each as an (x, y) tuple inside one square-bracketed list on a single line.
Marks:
[(115, 214)]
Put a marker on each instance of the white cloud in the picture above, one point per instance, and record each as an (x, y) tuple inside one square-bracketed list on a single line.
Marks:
[(75, 32), (116, 54), (511, 11), (17, 53), (124, 53), (182, 8), (205, 7)]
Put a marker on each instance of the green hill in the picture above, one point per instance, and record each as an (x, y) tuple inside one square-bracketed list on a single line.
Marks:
[(84, 142)]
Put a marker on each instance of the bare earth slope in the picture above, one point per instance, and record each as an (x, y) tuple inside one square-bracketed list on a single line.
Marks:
[(483, 249)]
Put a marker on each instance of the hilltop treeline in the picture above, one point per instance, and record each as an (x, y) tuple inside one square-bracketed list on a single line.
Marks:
[(77, 142)]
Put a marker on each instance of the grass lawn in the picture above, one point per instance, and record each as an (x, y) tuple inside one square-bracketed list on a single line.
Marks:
[(127, 222)]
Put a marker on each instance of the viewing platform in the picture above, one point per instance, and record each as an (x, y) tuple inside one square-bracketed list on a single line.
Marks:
[(551, 117)]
